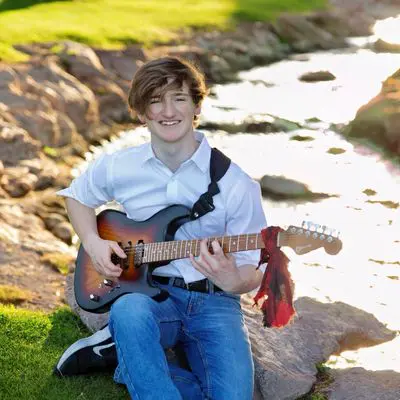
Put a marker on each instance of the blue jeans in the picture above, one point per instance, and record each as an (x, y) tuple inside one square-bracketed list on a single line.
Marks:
[(210, 327)]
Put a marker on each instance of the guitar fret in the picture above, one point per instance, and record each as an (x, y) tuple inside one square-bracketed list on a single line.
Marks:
[(163, 251)]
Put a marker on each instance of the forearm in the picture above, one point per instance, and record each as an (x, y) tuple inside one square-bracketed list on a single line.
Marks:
[(83, 219), (249, 279)]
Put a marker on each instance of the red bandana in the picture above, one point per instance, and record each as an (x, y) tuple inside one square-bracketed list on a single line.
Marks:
[(276, 284)]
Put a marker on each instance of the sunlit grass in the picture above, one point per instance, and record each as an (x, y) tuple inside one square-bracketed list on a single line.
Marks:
[(31, 343), (110, 23), (13, 295), (58, 261)]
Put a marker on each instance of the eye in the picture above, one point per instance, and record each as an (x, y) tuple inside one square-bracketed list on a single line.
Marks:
[(155, 100), (180, 98)]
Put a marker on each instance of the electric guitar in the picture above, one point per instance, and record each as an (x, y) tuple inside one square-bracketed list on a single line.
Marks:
[(150, 244)]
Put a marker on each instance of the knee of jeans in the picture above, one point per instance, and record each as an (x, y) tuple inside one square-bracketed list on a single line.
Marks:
[(133, 309)]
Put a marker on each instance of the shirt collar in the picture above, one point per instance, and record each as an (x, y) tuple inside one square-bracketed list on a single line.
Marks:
[(201, 157)]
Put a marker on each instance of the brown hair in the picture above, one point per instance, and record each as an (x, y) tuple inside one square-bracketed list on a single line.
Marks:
[(165, 73)]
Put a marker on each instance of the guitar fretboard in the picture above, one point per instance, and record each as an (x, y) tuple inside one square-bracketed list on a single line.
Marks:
[(167, 251)]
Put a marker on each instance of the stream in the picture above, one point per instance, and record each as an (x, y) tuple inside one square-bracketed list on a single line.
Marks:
[(366, 188)]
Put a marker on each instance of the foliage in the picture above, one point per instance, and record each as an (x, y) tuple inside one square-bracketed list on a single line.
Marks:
[(31, 344), (324, 380), (112, 23), (60, 262), (13, 294)]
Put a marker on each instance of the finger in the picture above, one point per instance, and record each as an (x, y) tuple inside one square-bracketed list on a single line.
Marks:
[(112, 270), (117, 250), (217, 249), (198, 265), (205, 251)]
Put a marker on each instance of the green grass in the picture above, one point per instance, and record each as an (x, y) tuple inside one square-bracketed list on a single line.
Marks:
[(13, 295), (31, 343), (58, 261), (109, 23)]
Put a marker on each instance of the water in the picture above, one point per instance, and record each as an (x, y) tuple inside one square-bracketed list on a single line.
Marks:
[(366, 273)]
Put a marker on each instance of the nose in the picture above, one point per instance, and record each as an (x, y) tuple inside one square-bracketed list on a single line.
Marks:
[(168, 108)]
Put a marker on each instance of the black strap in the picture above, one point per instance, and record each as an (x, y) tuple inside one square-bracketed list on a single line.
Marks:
[(219, 164)]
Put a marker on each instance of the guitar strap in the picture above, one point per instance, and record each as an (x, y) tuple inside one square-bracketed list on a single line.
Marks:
[(219, 164)]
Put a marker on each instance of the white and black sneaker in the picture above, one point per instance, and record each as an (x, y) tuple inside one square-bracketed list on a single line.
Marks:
[(93, 354)]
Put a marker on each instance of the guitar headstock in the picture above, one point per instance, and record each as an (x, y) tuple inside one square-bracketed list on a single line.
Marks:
[(310, 237)]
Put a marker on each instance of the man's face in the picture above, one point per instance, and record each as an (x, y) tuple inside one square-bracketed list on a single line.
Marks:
[(170, 119)]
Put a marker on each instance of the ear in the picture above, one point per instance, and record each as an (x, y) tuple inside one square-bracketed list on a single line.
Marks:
[(197, 110)]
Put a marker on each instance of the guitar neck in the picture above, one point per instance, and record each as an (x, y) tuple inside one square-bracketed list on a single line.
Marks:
[(173, 250)]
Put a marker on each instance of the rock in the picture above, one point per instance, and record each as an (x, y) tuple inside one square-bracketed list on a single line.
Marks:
[(317, 76), (79, 60), (277, 186), (112, 101), (52, 219), (363, 385), (1, 168), (340, 23), (303, 35), (48, 103), (64, 231), (256, 123), (379, 119), (34, 165), (29, 230), (16, 144), (17, 181), (118, 63), (285, 358), (219, 70), (385, 47), (75, 99)]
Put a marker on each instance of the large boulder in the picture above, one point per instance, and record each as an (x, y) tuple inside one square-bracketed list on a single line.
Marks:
[(286, 358), (364, 385), (379, 120), (304, 35), (51, 105)]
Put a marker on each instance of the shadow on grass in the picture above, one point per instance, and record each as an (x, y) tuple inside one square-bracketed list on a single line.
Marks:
[(8, 5)]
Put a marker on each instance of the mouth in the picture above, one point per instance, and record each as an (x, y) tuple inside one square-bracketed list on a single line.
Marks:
[(169, 123)]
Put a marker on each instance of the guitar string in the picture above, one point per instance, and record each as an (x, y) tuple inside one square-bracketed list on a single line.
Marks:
[(158, 245)]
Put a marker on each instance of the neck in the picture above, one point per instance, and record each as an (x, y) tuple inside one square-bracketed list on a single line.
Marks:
[(174, 154)]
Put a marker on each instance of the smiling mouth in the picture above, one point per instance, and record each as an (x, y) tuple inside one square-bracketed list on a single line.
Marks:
[(169, 123)]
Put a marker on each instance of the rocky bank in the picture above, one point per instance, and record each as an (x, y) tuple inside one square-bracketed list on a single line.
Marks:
[(69, 97)]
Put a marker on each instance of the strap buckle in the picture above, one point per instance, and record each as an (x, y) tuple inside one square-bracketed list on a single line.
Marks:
[(202, 206)]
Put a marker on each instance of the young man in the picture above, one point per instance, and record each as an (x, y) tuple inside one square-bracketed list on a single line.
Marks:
[(203, 310)]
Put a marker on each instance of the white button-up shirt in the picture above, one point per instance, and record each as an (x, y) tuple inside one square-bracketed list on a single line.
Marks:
[(143, 185)]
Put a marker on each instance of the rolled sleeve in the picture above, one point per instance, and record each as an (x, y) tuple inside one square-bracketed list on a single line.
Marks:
[(246, 215), (93, 187)]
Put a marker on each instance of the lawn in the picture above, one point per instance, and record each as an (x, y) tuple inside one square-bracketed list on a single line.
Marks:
[(31, 343), (109, 23)]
